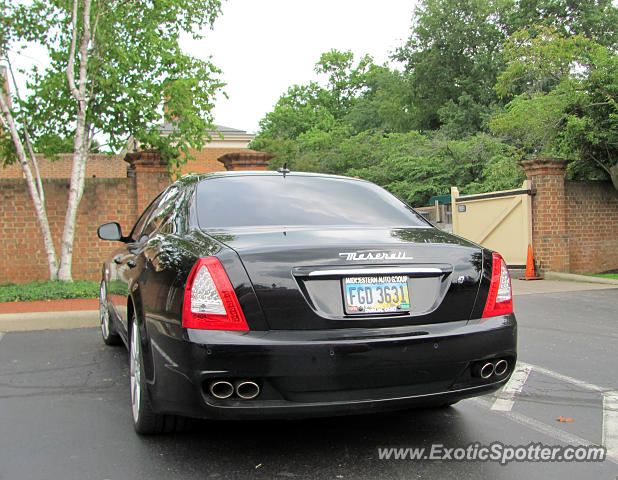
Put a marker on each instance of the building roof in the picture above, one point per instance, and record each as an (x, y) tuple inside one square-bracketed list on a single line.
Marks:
[(168, 127)]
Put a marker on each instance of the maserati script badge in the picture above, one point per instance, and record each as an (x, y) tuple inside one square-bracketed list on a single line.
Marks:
[(356, 256)]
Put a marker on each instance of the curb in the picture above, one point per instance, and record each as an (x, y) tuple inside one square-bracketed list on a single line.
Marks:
[(23, 322), (578, 278)]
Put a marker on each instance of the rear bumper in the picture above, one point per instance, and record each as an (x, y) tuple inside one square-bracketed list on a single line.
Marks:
[(329, 372)]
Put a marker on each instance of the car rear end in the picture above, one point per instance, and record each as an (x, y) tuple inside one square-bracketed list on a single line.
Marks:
[(293, 319)]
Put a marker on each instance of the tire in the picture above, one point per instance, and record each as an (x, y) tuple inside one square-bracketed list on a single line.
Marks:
[(110, 337), (145, 420)]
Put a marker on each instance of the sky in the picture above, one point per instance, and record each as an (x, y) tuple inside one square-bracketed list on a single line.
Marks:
[(265, 46)]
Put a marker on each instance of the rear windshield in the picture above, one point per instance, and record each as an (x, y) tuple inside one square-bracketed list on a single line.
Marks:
[(297, 200)]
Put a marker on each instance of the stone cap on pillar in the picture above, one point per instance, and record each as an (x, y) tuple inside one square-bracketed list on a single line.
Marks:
[(145, 161), (543, 165), (247, 160)]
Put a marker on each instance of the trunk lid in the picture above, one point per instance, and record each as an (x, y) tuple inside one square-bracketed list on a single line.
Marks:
[(298, 273)]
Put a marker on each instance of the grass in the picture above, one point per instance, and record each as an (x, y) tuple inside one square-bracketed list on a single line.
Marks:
[(48, 290), (613, 276)]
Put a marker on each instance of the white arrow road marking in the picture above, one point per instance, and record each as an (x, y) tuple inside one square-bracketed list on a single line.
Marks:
[(610, 423), (506, 397)]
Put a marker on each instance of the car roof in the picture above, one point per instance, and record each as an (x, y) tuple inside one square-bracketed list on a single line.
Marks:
[(194, 178)]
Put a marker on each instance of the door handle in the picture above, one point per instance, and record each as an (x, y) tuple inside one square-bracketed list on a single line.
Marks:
[(118, 260), (131, 263)]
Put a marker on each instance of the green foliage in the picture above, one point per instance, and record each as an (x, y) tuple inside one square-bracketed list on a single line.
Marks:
[(484, 85), (414, 167), (613, 276), (374, 139), (594, 19), (533, 123), (385, 103), (455, 52), (453, 58), (567, 105), (48, 290)]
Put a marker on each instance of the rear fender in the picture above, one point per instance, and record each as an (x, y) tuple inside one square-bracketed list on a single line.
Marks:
[(135, 305)]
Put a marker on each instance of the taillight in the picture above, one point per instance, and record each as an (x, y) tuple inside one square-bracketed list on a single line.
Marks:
[(500, 298), (210, 301)]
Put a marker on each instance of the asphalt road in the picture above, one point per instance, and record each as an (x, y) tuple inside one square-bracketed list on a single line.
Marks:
[(64, 413)]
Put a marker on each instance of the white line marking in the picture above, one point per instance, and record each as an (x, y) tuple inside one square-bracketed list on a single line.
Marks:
[(565, 378), (610, 423), (609, 433), (1, 335), (553, 432), (506, 397)]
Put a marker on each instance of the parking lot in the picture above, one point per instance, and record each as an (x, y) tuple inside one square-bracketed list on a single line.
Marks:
[(64, 413)]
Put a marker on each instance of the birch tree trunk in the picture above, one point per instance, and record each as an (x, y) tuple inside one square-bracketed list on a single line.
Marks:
[(35, 193), (82, 137)]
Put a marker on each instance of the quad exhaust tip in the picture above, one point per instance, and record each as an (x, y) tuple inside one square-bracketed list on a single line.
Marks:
[(244, 389), (501, 367), (221, 389), (247, 389), (486, 370)]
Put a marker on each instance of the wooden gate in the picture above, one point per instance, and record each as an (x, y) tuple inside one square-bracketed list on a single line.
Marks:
[(501, 221)]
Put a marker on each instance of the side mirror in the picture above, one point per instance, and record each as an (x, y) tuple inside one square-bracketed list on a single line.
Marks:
[(110, 231)]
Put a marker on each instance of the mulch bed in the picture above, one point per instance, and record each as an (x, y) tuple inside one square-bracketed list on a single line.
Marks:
[(50, 306)]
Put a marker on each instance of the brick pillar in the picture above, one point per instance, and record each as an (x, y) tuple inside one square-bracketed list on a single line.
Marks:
[(151, 175), (245, 160), (550, 236)]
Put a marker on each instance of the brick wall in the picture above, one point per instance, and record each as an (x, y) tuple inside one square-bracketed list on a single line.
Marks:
[(104, 200), (151, 173), (99, 165), (20, 239), (574, 224), (593, 226), (207, 160)]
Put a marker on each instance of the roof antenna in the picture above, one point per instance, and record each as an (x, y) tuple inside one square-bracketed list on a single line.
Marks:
[(284, 169)]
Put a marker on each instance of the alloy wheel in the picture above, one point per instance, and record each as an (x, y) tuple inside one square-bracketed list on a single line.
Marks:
[(135, 371), (103, 311)]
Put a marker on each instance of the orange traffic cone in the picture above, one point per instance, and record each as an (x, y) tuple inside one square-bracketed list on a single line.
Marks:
[(530, 271)]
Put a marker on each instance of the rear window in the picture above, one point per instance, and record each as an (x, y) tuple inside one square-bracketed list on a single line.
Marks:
[(296, 200)]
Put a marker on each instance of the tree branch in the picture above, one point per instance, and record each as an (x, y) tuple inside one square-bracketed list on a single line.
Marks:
[(601, 164), (35, 163), (71, 64), (39, 206)]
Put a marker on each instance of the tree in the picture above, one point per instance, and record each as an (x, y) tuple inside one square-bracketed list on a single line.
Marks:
[(362, 124), (112, 65), (568, 105), (455, 53), (414, 166), (309, 117), (593, 19), (385, 104), (453, 59)]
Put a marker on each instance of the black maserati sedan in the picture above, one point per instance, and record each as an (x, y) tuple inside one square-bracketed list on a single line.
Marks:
[(245, 295)]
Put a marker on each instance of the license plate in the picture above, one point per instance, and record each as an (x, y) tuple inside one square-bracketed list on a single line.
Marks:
[(376, 294)]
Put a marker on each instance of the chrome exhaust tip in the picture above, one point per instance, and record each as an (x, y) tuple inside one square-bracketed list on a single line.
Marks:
[(486, 371), (246, 389), (221, 389), (501, 367)]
